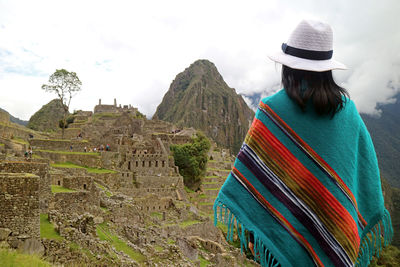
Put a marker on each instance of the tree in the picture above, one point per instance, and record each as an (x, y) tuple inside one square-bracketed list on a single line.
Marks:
[(64, 84), (191, 158)]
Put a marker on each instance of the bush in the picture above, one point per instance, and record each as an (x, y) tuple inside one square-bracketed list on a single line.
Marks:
[(70, 119), (191, 158)]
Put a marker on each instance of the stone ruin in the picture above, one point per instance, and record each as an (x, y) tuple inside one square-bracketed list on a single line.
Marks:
[(116, 172)]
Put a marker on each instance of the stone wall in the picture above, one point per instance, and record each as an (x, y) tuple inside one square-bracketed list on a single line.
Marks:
[(19, 202), (46, 144), (148, 164), (78, 202), (82, 159), (160, 182), (8, 131), (154, 203), (78, 182), (39, 169)]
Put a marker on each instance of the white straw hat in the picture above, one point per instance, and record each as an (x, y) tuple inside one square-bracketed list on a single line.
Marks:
[(309, 48)]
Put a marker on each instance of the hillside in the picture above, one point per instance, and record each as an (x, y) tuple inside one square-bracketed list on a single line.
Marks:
[(15, 119), (199, 97), (48, 117), (385, 132)]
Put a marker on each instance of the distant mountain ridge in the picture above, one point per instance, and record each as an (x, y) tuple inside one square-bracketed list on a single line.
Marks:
[(385, 133), (199, 98), (15, 119)]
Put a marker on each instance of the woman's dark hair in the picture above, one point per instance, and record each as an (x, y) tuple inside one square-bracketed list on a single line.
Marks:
[(319, 87)]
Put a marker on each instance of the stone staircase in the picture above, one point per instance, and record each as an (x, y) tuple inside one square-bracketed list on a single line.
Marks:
[(218, 168)]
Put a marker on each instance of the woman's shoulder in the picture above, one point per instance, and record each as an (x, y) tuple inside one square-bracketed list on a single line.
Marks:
[(278, 98)]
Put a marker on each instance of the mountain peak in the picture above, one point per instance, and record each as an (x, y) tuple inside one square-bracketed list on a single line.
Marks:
[(199, 97)]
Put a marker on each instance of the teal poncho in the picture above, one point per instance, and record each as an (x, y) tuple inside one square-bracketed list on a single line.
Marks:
[(307, 187)]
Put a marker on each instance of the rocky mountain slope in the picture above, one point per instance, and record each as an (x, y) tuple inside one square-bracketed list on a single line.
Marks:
[(200, 98), (48, 117)]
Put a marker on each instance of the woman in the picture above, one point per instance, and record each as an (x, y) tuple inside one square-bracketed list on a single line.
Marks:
[(305, 186)]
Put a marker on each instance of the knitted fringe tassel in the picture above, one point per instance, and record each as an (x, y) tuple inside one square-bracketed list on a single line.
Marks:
[(371, 244), (262, 253)]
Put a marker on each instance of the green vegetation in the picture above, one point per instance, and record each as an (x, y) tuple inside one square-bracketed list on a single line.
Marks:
[(170, 241), (89, 169), (107, 192), (20, 141), (12, 258), (390, 256), (70, 152), (60, 189), (104, 233), (210, 182), (47, 229), (203, 261), (64, 84), (156, 214), (191, 158), (220, 170), (187, 223), (158, 248)]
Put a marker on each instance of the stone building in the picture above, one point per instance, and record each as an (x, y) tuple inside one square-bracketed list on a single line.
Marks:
[(100, 108)]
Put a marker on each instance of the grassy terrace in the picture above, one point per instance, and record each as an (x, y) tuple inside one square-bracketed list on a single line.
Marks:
[(20, 141), (88, 169), (12, 258), (60, 189), (70, 152), (220, 170), (210, 182), (47, 229), (60, 140), (103, 232)]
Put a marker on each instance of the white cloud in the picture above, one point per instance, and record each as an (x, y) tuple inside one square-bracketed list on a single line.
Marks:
[(132, 50)]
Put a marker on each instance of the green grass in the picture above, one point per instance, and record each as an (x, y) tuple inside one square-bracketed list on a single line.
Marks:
[(104, 233), (220, 170), (203, 262), (69, 152), (211, 189), (60, 189), (156, 214), (47, 229), (170, 241), (12, 258), (206, 203), (20, 141), (185, 224), (36, 156), (75, 166), (210, 182), (158, 248), (212, 176), (1, 144), (188, 190), (108, 193)]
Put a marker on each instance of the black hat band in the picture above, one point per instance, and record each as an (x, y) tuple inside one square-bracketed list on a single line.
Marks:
[(306, 54)]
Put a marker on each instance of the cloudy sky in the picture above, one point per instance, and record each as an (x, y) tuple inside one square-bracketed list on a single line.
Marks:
[(132, 50)]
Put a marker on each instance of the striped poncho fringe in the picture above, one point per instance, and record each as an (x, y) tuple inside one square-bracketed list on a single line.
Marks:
[(313, 205)]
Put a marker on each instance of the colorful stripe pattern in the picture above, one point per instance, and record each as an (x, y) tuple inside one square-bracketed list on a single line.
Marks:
[(314, 157), (309, 201)]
